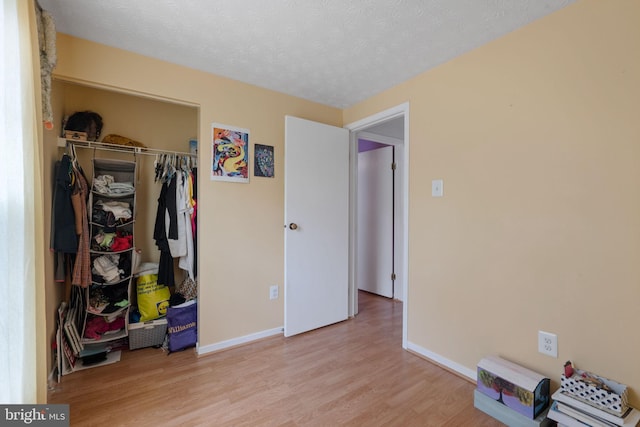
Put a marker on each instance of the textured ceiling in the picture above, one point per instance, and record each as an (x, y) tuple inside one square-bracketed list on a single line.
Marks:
[(335, 52)]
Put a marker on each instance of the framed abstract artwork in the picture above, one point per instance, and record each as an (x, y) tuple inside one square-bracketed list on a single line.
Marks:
[(229, 153)]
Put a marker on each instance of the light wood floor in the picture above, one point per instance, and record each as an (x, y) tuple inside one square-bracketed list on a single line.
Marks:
[(352, 373)]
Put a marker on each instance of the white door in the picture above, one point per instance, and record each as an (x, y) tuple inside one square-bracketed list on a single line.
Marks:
[(375, 221), (316, 225)]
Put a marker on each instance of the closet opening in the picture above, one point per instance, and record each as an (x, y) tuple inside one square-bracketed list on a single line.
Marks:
[(167, 133)]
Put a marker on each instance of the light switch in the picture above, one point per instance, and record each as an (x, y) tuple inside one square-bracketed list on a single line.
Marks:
[(436, 188)]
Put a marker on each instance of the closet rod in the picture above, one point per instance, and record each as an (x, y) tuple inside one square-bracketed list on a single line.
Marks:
[(121, 148)]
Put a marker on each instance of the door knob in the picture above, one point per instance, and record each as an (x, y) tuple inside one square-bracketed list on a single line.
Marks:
[(293, 226)]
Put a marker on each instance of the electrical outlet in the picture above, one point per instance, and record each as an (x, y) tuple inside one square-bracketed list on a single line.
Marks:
[(273, 292), (548, 344)]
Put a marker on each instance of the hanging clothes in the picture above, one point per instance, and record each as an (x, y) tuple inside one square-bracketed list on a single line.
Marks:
[(63, 228), (165, 265), (174, 228), (185, 211), (171, 208), (82, 267), (194, 195), (178, 239)]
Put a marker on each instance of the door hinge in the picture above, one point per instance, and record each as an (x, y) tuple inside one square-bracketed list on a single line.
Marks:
[(393, 276), (393, 166)]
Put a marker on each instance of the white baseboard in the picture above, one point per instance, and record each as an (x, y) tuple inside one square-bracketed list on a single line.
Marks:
[(462, 370), (239, 341)]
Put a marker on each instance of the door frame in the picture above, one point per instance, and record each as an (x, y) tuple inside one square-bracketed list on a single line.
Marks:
[(401, 110), (398, 239)]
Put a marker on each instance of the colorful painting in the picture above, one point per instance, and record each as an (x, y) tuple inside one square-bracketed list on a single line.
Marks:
[(507, 393), (263, 160), (229, 154)]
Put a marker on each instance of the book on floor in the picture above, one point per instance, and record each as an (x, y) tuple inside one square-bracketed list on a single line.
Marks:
[(591, 420), (630, 418), (562, 418)]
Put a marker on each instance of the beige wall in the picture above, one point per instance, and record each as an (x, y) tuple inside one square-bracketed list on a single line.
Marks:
[(54, 292), (240, 225), (537, 139)]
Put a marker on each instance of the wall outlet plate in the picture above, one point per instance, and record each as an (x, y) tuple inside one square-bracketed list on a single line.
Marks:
[(273, 292), (436, 188), (548, 343)]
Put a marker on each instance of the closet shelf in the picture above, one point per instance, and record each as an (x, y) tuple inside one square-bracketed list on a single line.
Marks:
[(107, 252), (102, 327), (110, 314), (126, 279), (63, 142), (106, 337), (117, 226), (113, 196)]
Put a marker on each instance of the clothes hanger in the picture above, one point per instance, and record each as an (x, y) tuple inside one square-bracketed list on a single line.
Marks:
[(163, 168), (157, 167)]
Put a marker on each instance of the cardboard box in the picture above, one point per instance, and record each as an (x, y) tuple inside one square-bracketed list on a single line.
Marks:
[(514, 386), (75, 135)]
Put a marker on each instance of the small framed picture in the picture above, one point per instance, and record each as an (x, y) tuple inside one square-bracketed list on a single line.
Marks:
[(263, 160)]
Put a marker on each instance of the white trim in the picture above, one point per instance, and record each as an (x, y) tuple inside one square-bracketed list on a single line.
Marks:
[(353, 224), (401, 110), (399, 188), (379, 138), (380, 117), (222, 345), (463, 370)]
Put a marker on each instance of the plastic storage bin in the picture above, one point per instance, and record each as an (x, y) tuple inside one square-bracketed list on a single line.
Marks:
[(147, 334)]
